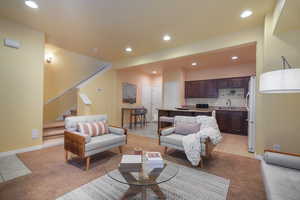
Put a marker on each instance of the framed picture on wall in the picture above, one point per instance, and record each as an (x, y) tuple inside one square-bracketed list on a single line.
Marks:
[(129, 93)]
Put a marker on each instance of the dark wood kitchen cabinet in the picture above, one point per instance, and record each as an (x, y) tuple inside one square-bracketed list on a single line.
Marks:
[(210, 88), (240, 82), (201, 89), (234, 122), (191, 89)]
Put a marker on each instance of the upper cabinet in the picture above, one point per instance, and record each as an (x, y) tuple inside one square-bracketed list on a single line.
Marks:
[(210, 88), (201, 89)]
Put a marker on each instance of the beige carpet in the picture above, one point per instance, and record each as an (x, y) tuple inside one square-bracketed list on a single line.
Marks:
[(52, 177)]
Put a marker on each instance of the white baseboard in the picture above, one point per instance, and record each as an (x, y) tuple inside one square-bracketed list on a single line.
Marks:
[(32, 148), (53, 143), (27, 149), (258, 156)]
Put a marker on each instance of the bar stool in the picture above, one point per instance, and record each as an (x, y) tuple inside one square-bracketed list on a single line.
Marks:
[(139, 115)]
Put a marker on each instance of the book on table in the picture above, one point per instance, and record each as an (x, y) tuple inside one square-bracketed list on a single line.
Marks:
[(154, 159), (131, 162)]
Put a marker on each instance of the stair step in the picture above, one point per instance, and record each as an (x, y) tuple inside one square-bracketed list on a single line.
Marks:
[(53, 132), (55, 124)]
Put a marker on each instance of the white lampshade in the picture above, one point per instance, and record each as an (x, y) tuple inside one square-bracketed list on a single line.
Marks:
[(280, 81)]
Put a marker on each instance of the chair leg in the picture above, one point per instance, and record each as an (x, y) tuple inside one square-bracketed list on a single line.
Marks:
[(120, 149), (67, 156), (88, 159), (166, 150), (201, 163), (144, 120), (141, 120), (130, 122)]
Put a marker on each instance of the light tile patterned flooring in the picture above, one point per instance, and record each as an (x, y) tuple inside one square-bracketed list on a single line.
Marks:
[(149, 131), (231, 143), (12, 167)]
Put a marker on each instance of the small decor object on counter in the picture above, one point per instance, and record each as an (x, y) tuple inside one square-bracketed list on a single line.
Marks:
[(131, 162), (138, 151), (180, 108), (154, 160)]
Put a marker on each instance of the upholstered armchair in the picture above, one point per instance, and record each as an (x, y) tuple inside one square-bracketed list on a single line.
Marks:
[(169, 138), (84, 145)]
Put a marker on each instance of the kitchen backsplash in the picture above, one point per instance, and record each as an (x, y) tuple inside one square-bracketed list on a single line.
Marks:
[(236, 96)]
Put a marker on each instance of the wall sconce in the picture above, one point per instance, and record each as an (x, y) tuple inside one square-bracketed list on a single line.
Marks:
[(49, 57)]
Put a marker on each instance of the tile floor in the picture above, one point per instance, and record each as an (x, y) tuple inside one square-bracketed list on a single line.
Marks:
[(149, 131), (12, 167)]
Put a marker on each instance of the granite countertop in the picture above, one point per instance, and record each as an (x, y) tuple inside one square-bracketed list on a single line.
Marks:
[(210, 109)]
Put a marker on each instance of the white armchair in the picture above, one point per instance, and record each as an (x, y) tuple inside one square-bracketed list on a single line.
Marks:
[(209, 127)]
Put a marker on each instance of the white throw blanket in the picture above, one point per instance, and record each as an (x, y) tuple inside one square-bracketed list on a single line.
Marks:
[(191, 143)]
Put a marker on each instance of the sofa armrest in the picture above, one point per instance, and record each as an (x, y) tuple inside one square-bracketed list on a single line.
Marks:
[(74, 143), (86, 137), (117, 130), (166, 131), (283, 159), (280, 152)]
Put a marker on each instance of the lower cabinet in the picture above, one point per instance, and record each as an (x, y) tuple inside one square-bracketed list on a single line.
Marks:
[(234, 122)]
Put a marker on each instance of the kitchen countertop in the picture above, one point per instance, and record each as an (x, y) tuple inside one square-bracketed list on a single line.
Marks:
[(210, 109), (189, 110)]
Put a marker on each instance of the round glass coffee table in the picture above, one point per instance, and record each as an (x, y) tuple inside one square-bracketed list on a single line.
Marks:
[(139, 179)]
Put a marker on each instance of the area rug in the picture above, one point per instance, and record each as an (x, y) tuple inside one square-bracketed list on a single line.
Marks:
[(189, 184), (12, 167)]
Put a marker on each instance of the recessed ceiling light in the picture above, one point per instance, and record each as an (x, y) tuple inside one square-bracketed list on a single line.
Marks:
[(154, 72), (194, 64), (128, 49), (246, 13), (234, 57), (31, 4), (167, 38)]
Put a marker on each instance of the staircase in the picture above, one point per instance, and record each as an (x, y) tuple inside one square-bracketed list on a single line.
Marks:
[(66, 100), (55, 129)]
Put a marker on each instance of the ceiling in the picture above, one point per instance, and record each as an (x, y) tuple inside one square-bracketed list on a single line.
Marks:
[(246, 54), (112, 25)]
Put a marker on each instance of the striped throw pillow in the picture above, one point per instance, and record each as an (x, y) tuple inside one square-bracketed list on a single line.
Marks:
[(93, 128)]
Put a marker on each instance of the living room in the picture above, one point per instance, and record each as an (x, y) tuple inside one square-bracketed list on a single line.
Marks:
[(60, 59)]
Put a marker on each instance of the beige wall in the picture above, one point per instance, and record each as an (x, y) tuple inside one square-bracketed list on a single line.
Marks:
[(58, 107), (109, 100), (173, 87), (66, 69), (136, 77), (216, 72), (21, 79), (104, 101), (278, 114)]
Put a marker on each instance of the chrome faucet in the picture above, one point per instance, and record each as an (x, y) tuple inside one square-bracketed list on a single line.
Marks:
[(228, 103)]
